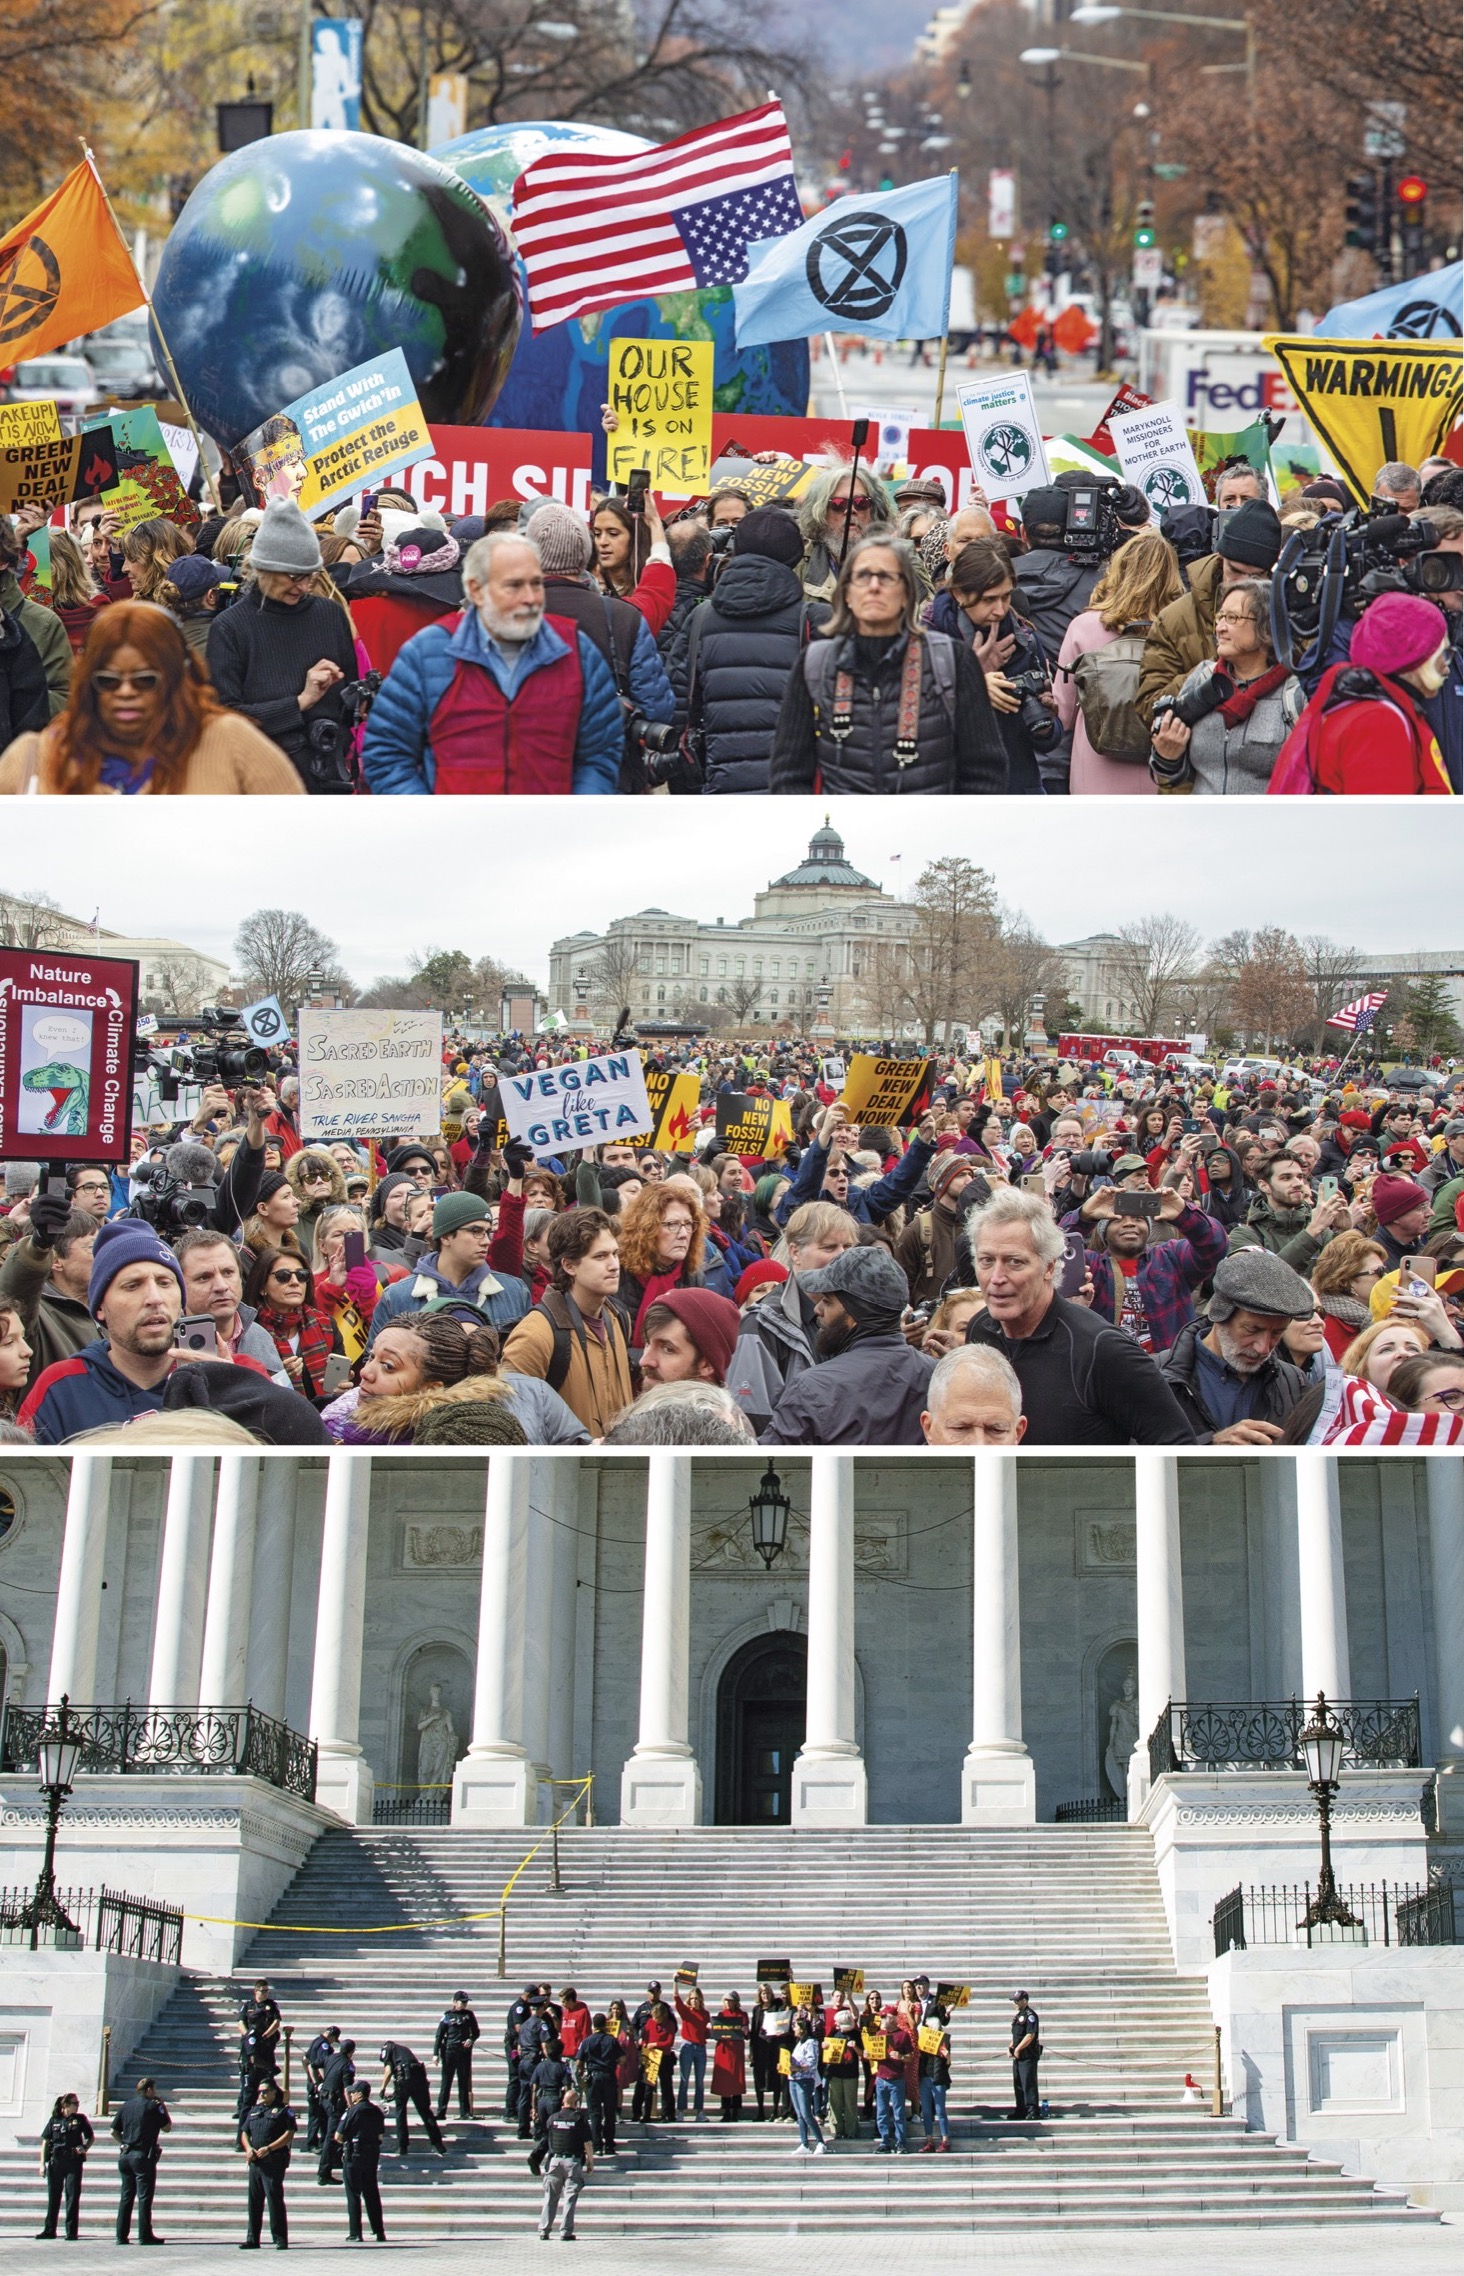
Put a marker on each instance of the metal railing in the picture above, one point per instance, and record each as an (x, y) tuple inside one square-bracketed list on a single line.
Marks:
[(411, 1806), (581, 1793), (1379, 1734), (1092, 1810), (161, 1741), (105, 1920), (1387, 1913)]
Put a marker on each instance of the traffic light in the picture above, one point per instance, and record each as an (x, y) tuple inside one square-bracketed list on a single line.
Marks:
[(1145, 233), (1362, 211), (1413, 199), (1056, 247)]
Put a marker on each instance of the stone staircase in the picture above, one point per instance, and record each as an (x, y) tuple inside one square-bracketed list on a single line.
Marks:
[(1071, 1913)]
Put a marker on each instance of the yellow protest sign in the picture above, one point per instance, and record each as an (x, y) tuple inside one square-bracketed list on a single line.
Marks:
[(931, 2036), (661, 392), (875, 2043), (993, 1078), (674, 1100), (785, 2063), (800, 1995), (761, 482), (1374, 400), (54, 472), (650, 2063), (833, 2050), (760, 1127), (889, 1091), (953, 1995), (849, 1981), (29, 423)]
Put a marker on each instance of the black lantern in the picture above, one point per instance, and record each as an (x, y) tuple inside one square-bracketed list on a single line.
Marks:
[(241, 123), (57, 1754), (1323, 1746), (769, 1507)]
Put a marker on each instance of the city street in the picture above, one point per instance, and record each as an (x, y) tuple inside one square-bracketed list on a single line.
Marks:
[(882, 376)]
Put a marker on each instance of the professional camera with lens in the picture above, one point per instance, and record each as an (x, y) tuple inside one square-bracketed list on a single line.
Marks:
[(658, 745), (1098, 516), (177, 1194), (230, 1056), (1199, 703), (1333, 571)]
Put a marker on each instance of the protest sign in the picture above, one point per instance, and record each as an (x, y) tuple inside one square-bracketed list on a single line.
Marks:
[(148, 484), (365, 1074), (800, 1995), (66, 1028), (1372, 401), (147, 1023), (848, 1981), (265, 1022), (833, 2049), (758, 1128), (785, 2062), (673, 1101), (685, 1976), (355, 430), (1153, 448), (1003, 434), (892, 1091), (953, 1995), (774, 1972), (182, 449), (929, 2038), (57, 473), (650, 2064), (565, 1110), (29, 423), (661, 391), (763, 485), (151, 1111), (36, 569), (875, 2044), (1127, 399)]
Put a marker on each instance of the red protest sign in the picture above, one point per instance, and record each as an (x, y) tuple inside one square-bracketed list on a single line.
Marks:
[(1127, 399), (66, 1025)]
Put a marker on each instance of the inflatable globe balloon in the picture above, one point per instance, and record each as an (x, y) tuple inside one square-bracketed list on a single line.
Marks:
[(304, 254), (558, 377)]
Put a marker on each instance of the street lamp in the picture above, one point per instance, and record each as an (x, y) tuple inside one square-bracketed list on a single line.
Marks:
[(1323, 1746), (770, 1507), (57, 1755), (1099, 12)]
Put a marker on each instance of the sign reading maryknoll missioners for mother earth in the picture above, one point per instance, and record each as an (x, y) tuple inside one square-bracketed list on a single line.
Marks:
[(370, 1074)]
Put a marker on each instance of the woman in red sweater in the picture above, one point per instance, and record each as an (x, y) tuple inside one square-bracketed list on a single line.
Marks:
[(695, 2022)]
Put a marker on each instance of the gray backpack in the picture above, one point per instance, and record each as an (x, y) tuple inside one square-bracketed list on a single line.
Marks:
[(1107, 681)]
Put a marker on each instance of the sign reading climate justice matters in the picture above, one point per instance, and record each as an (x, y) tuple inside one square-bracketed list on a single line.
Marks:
[(661, 391), (1004, 435), (590, 1102), (66, 1026), (370, 1073)]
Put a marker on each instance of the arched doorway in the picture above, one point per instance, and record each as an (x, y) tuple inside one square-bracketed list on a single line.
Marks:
[(762, 1707)]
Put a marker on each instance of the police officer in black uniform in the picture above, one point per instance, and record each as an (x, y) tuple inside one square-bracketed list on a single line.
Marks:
[(457, 2034), (599, 2056), (518, 2014), (534, 2035), (406, 2075), (1026, 2054), (552, 2079), (359, 2134), (138, 2126), (319, 2052), (265, 2139), (65, 2139), (336, 2081), (259, 2046), (571, 2162)]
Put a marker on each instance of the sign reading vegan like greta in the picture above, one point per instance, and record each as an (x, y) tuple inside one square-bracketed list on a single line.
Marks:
[(591, 1102), (370, 1074), (65, 1056)]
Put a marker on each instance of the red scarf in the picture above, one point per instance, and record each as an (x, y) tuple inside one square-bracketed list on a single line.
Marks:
[(660, 1284), (1237, 708), (316, 1340)]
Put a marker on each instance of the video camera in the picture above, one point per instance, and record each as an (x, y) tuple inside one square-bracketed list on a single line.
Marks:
[(177, 1193), (1339, 566), (231, 1058), (1097, 516)]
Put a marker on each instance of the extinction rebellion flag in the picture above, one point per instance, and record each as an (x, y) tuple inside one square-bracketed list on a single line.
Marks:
[(64, 270)]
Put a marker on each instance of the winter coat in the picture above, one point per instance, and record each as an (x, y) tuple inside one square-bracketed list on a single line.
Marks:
[(396, 1421), (1182, 636), (24, 695), (774, 1345), (1282, 1231), (1092, 773), (1169, 1273), (48, 634), (870, 1204), (1054, 588), (634, 663), (597, 1386), (690, 593), (926, 1250), (958, 746), (1279, 1383), (230, 759), (871, 1394), (83, 1392), (1374, 743), (397, 755), (500, 1302), (746, 640), (1021, 741), (259, 655), (56, 1326), (1084, 1382), (541, 1414), (1236, 762)]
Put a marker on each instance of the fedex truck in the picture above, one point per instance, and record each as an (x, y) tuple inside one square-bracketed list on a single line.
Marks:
[(1221, 380)]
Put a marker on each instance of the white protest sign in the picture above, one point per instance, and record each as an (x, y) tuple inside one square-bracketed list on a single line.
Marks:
[(1153, 448), (151, 1111), (563, 1110), (370, 1074), (265, 1022), (1003, 435), (890, 430), (182, 450), (147, 1023)]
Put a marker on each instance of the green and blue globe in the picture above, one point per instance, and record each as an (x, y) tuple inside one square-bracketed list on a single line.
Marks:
[(557, 379)]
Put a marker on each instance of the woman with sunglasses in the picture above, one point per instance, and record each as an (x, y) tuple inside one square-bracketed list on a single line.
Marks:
[(142, 720), (281, 1288), (838, 507), (877, 704)]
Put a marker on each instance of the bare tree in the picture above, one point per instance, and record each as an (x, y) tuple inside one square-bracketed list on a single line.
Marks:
[(742, 998), (279, 950), (1022, 966), (29, 920), (1331, 974), (615, 976), (178, 989), (1153, 955)]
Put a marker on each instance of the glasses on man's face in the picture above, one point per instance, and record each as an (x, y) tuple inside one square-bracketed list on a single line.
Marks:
[(90, 1185), (110, 682), (875, 577), (859, 505)]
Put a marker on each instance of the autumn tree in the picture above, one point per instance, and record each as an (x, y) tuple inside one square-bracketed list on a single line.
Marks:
[(1271, 1000)]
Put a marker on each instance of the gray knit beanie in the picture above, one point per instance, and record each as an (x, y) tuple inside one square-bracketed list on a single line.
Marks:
[(285, 542), (562, 539)]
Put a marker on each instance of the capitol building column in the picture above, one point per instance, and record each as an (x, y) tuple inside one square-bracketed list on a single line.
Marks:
[(222, 1674), (79, 1584), (182, 1583), (343, 1781), (1326, 1662), (1445, 1477), (1160, 1607), (661, 1782), (492, 1785), (830, 1786), (998, 1779)]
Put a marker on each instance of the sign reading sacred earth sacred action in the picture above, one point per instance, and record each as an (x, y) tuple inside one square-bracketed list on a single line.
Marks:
[(1003, 435), (56, 473), (589, 1102), (353, 431), (759, 1127), (1153, 448), (66, 1025), (370, 1074), (895, 1092), (661, 391)]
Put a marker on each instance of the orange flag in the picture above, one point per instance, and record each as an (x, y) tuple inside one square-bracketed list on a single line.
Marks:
[(64, 270)]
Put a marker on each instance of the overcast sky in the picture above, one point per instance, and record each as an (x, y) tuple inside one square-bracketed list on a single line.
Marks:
[(385, 877)]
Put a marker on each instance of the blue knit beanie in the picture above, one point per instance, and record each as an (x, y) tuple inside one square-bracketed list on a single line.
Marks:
[(127, 1240)]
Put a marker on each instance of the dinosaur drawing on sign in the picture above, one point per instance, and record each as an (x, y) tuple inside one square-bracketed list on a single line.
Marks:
[(70, 1089)]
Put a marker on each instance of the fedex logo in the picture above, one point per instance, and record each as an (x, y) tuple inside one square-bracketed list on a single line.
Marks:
[(1235, 383)]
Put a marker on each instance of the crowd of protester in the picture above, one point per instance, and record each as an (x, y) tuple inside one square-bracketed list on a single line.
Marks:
[(1238, 1256), (859, 636)]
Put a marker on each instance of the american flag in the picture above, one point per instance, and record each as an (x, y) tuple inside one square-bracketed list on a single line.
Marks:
[(1359, 1016), (595, 230)]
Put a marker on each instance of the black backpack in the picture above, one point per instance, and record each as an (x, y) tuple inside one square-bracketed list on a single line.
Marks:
[(567, 1323)]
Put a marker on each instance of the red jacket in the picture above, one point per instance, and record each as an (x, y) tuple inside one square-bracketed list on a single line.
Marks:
[(387, 621), (1376, 746)]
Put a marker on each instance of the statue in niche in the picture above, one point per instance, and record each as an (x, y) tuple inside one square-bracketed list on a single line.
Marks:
[(437, 1742), (1123, 1735)]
